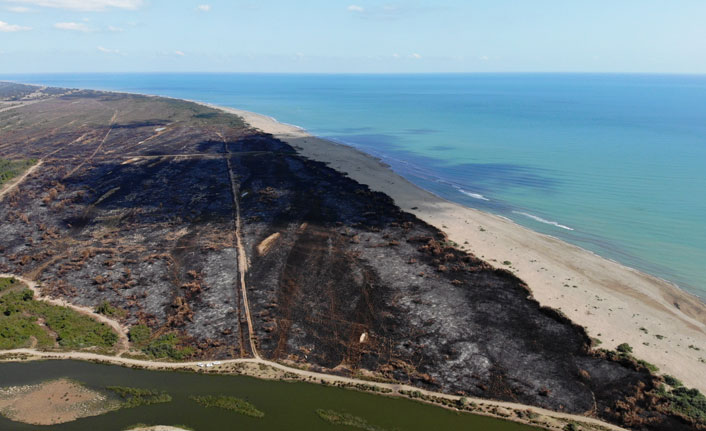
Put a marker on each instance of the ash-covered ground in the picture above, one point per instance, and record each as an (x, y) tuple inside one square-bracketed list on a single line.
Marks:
[(137, 201)]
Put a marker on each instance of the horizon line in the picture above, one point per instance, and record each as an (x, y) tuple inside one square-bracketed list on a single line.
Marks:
[(355, 73)]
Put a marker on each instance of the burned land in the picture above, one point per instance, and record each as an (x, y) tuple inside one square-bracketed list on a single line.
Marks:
[(162, 208)]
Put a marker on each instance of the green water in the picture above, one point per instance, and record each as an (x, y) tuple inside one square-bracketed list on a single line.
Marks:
[(287, 406)]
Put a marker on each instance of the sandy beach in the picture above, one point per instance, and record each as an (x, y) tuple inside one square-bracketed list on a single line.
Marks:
[(616, 304)]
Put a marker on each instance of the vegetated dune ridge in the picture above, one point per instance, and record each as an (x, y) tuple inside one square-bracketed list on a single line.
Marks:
[(161, 207)]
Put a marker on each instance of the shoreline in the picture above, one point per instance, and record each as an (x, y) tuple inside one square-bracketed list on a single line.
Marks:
[(504, 410), (616, 304)]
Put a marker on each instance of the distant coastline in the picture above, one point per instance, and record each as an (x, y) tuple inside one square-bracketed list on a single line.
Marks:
[(508, 144)]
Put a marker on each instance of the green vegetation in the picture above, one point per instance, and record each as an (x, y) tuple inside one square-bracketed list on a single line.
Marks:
[(687, 402), (672, 381), (571, 426), (624, 351), (9, 169), (167, 346), (140, 335), (19, 314), (652, 367), (7, 283), (624, 348), (144, 425), (229, 403), (347, 419), (107, 309), (507, 262), (135, 397)]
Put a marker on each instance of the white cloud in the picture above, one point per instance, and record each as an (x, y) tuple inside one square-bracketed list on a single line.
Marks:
[(356, 8), (108, 51), (179, 53), (18, 9), (483, 58), (83, 5), (72, 26), (11, 28), (415, 56), (115, 29), (203, 8)]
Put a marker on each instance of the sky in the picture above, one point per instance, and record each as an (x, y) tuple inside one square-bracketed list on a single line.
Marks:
[(353, 36)]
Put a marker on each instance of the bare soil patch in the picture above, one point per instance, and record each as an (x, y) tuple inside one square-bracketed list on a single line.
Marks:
[(53, 402)]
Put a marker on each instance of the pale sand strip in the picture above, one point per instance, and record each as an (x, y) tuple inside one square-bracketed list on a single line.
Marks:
[(612, 301)]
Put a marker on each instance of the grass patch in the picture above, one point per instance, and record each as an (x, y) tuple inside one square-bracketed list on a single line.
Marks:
[(19, 315), (9, 169), (229, 403), (135, 397), (140, 335), (8, 283), (109, 310), (347, 419), (167, 346)]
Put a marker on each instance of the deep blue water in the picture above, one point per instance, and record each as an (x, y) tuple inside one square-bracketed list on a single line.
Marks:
[(613, 163)]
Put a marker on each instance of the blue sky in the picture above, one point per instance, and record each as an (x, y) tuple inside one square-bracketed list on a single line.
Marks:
[(352, 36)]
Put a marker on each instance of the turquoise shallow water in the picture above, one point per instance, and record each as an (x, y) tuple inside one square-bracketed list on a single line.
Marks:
[(613, 163)]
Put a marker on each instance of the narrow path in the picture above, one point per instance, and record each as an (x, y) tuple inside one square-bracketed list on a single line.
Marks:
[(122, 344), (100, 146), (10, 185), (21, 104), (242, 257), (310, 375)]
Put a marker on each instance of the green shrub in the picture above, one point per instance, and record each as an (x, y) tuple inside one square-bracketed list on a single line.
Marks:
[(652, 367), (140, 335), (109, 310), (135, 397), (167, 346), (688, 402), (346, 419), (624, 348), (6, 283), (672, 381), (229, 403)]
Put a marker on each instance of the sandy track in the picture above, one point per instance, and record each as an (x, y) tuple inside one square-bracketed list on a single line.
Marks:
[(242, 256), (306, 375)]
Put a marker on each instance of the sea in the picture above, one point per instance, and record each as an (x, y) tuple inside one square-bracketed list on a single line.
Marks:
[(615, 164)]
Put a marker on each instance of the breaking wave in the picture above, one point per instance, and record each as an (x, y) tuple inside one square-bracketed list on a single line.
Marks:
[(541, 220)]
